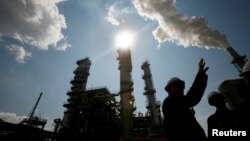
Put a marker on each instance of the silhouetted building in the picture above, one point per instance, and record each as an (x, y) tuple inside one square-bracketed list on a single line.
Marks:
[(24, 132), (97, 117)]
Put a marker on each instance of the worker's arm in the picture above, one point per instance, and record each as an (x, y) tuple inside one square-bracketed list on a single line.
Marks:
[(196, 92)]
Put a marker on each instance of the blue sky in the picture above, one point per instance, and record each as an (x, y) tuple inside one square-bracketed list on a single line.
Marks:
[(41, 41)]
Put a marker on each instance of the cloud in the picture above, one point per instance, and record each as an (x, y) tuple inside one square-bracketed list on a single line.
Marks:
[(116, 11), (34, 22), (175, 27), (11, 117), (110, 18), (19, 52)]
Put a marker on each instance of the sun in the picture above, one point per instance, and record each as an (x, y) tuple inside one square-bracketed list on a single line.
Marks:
[(124, 39)]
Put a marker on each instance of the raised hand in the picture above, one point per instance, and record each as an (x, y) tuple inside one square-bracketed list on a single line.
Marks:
[(202, 67)]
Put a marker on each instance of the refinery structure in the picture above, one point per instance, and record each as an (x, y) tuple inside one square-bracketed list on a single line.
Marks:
[(97, 115)]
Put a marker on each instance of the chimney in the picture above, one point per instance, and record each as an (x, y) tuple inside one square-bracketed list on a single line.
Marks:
[(238, 61)]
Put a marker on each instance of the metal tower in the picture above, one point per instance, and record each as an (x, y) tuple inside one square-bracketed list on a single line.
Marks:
[(152, 105), (126, 89), (78, 87), (150, 94)]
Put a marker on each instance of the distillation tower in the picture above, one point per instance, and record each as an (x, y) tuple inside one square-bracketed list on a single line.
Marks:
[(152, 105), (126, 89), (78, 87)]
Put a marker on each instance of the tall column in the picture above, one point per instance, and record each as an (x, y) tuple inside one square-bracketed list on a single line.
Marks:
[(78, 87), (126, 89), (152, 106)]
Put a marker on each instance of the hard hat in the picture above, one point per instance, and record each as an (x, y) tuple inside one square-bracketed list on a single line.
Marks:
[(174, 80), (246, 69), (215, 98)]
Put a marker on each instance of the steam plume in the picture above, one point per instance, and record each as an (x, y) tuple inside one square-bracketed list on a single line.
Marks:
[(175, 27)]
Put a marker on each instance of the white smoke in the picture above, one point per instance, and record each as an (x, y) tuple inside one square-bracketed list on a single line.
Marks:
[(175, 27), (11, 117), (37, 23), (19, 52)]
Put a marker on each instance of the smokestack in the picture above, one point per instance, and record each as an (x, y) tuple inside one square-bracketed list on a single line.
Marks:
[(126, 88), (238, 61)]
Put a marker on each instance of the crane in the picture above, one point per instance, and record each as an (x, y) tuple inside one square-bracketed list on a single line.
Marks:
[(32, 120), (31, 115)]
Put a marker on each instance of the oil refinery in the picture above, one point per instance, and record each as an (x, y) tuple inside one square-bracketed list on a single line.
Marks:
[(96, 115)]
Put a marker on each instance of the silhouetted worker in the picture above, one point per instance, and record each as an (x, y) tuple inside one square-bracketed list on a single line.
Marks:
[(246, 72), (245, 112), (223, 119), (179, 120)]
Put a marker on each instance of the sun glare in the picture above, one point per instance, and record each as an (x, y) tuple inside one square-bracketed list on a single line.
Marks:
[(124, 39)]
